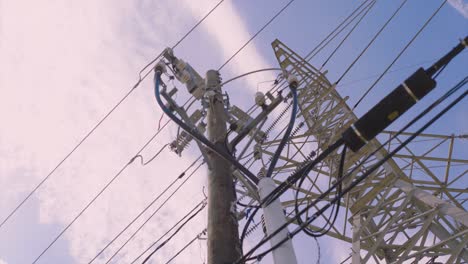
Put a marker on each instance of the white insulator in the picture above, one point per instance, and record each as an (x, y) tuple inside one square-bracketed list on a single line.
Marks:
[(160, 66), (184, 76), (180, 65), (293, 80), (259, 98)]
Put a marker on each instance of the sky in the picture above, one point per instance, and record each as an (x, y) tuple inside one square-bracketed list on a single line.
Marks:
[(64, 64)]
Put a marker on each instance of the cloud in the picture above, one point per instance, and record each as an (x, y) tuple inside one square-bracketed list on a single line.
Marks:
[(63, 74), (3, 261), (461, 6), (230, 32)]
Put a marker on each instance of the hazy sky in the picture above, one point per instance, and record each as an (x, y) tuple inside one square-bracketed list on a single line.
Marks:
[(64, 64)]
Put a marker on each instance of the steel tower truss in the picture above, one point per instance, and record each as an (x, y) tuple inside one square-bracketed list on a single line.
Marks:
[(412, 209)]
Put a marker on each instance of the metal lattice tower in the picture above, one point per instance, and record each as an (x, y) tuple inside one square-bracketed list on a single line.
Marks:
[(413, 208)]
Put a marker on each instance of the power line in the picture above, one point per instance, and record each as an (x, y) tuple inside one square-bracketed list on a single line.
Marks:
[(168, 231), (66, 157), (177, 43), (334, 32), (187, 245), (95, 197), (372, 41), (154, 213), (366, 9), (399, 54), (256, 34), (175, 233), (142, 162), (180, 176), (141, 78)]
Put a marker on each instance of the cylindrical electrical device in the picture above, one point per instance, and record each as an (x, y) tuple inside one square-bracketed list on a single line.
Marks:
[(274, 218), (388, 109)]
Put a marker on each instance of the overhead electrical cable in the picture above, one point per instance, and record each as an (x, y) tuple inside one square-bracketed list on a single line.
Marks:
[(154, 213), (371, 41), (28, 196), (141, 78), (368, 172), (336, 206), (178, 42), (175, 233), (249, 73), (366, 9), (144, 163), (256, 34), (401, 53), (183, 219), (180, 176), (334, 33), (187, 245), (95, 197)]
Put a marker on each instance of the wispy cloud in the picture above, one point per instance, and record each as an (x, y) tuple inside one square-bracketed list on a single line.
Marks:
[(62, 75), (461, 6)]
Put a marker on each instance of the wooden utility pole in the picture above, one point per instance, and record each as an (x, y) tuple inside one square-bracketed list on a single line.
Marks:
[(223, 234)]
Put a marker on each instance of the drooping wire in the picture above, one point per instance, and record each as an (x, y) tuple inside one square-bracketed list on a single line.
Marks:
[(187, 245), (284, 186), (141, 78), (142, 162), (249, 73), (203, 205), (353, 184), (180, 176), (336, 206), (154, 213), (95, 198), (401, 53), (256, 34)]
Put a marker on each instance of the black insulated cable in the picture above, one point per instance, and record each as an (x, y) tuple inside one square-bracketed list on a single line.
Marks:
[(336, 206), (193, 131), (175, 233), (287, 133), (168, 231)]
